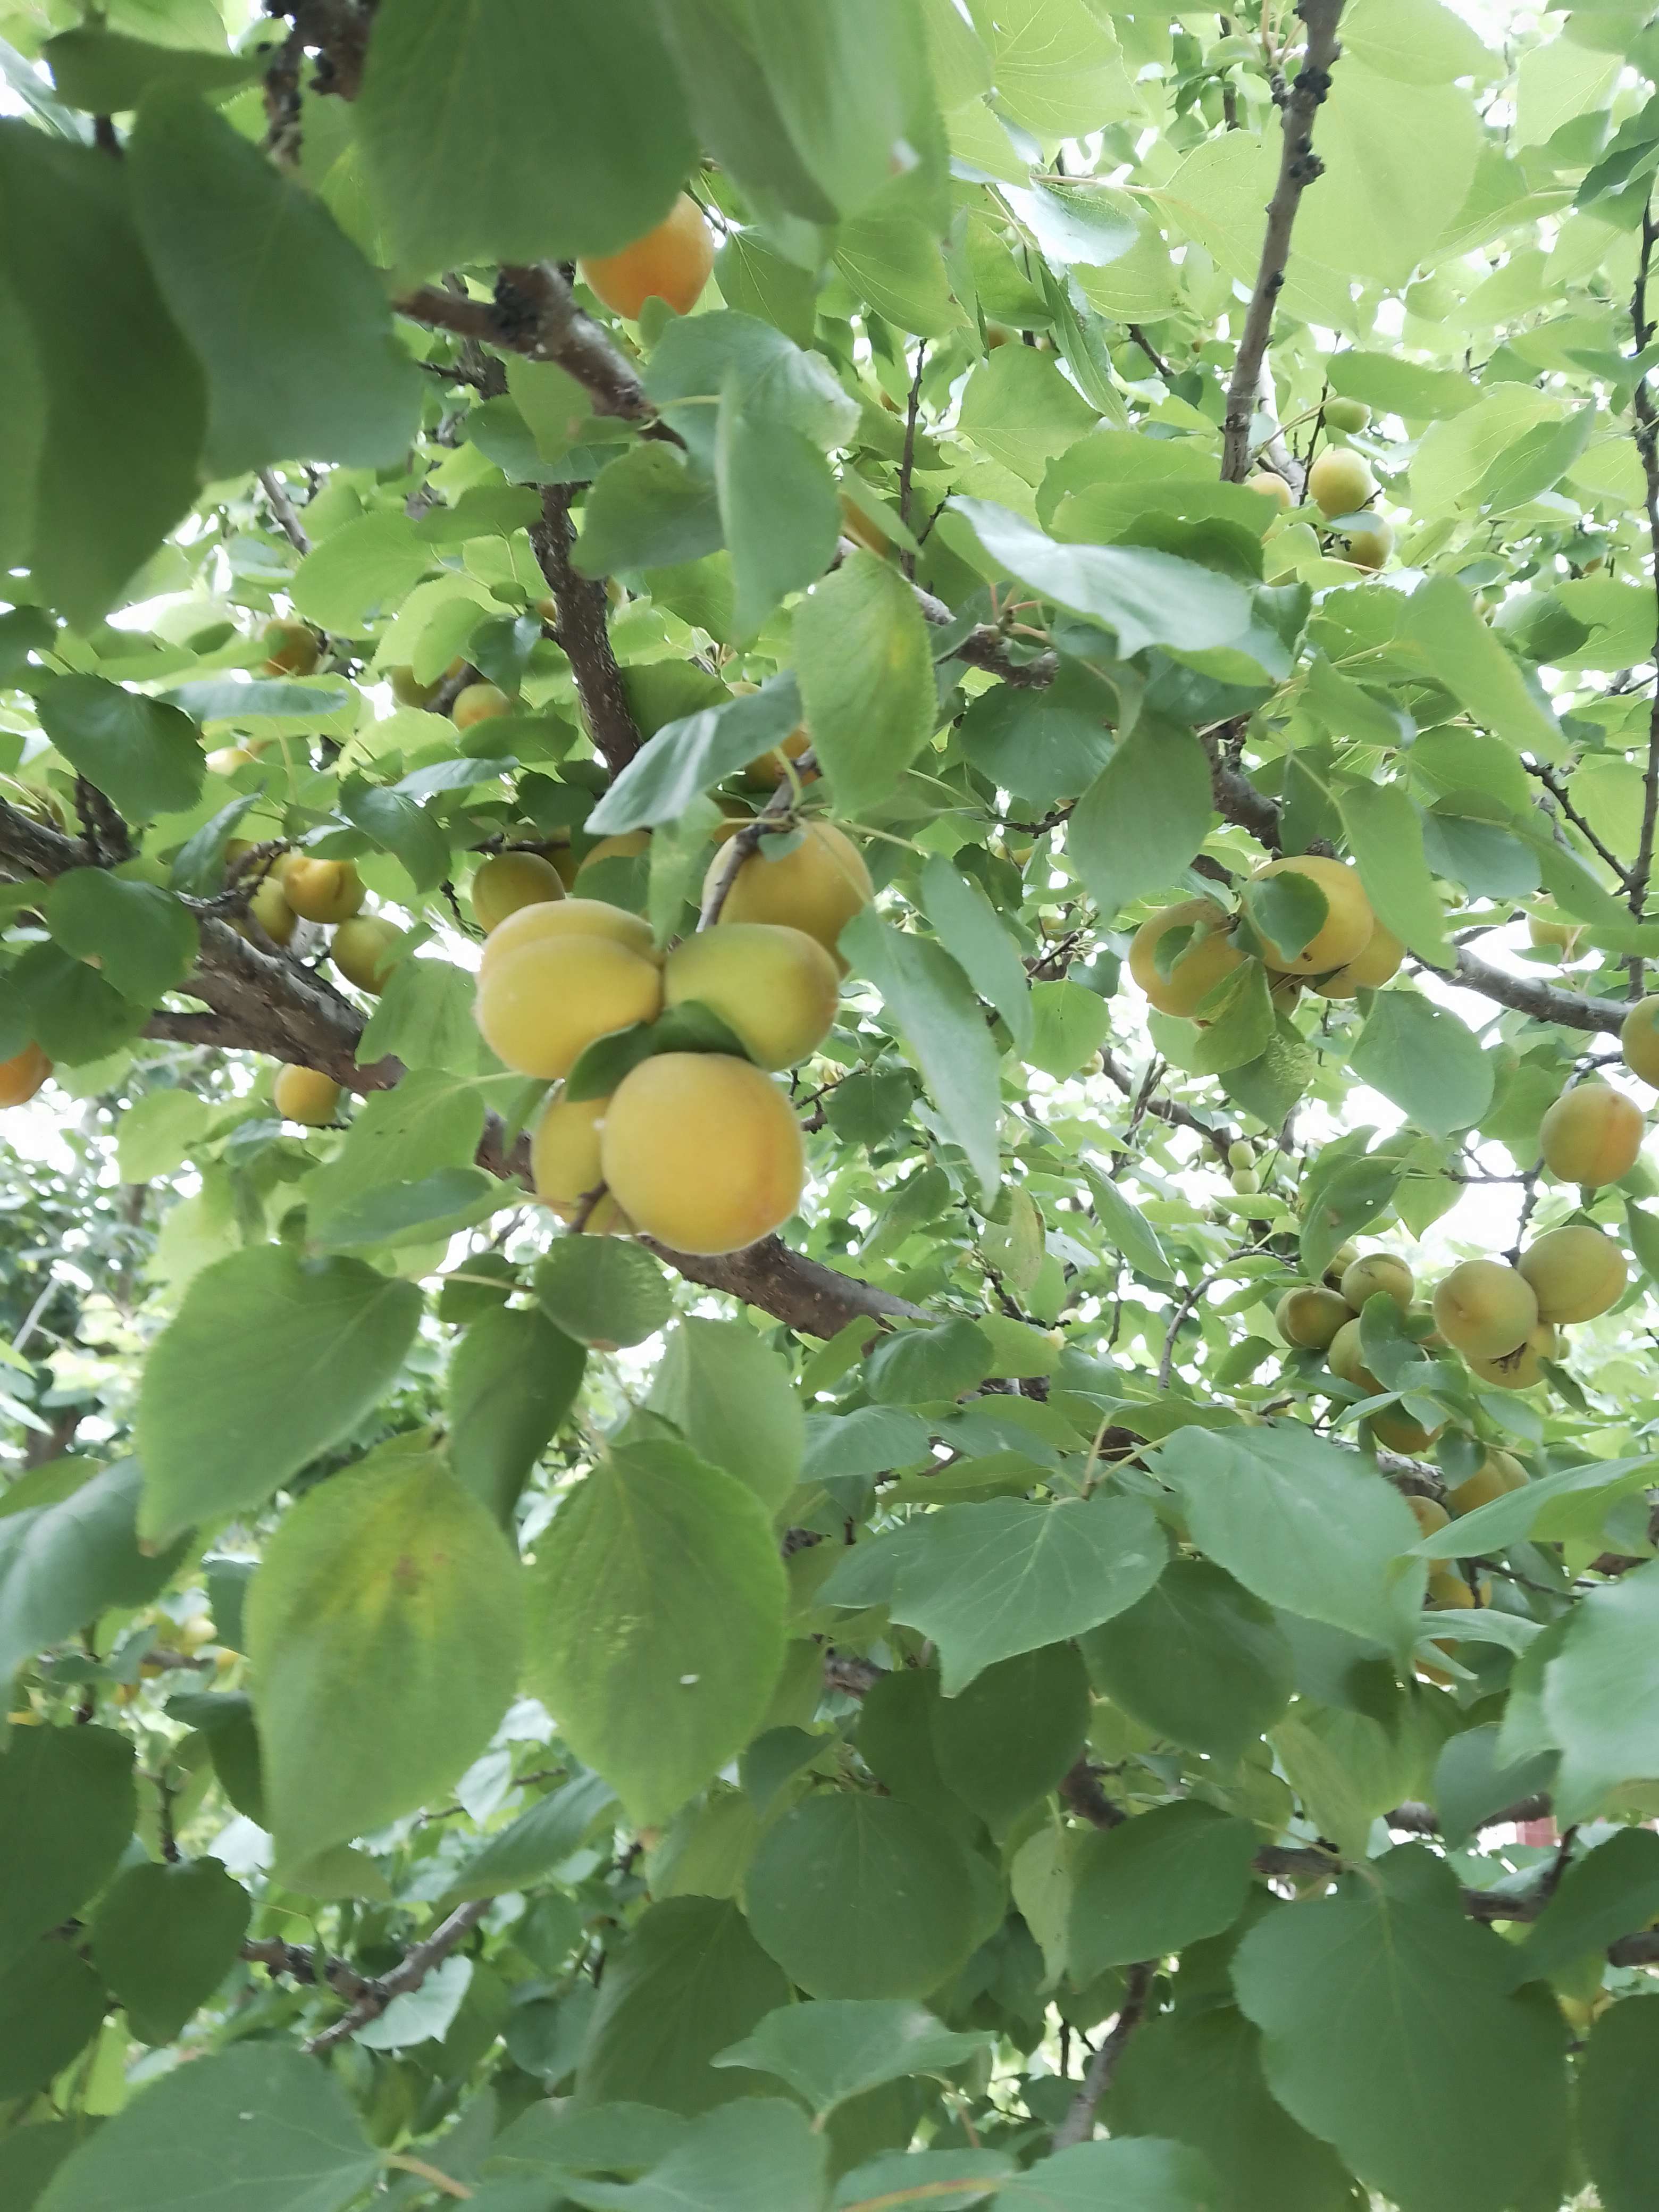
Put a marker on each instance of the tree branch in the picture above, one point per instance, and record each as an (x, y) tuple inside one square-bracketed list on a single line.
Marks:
[(1524, 995), (418, 1964), (339, 30), (1298, 165), (584, 635), (284, 510), (1647, 445), (1078, 2124), (534, 312)]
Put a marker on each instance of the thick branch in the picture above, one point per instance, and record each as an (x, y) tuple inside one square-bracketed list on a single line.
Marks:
[(417, 1964), (283, 508), (1525, 994), (534, 312), (339, 30), (794, 1290), (583, 634), (1298, 165)]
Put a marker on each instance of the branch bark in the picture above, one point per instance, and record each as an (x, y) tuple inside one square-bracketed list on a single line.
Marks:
[(583, 634), (1647, 445), (1078, 2124), (417, 1964), (534, 312), (1299, 166)]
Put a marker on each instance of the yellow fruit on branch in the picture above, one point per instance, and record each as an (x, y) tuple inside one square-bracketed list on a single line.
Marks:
[(671, 262), (1397, 1431), (819, 887), (1346, 1361), (478, 703), (565, 1168), (1378, 964), (628, 846), (1576, 1272), (1522, 1368), (1485, 1309), (768, 768), (305, 1095), (21, 1076), (1345, 931), (1340, 1260), (1206, 956), (1431, 1515), (1271, 485), (1378, 1270), (225, 760), (1639, 1041), (320, 891), (1549, 930), (702, 1151), (1498, 1473), (1309, 1317), (543, 1003), (270, 909), (1340, 481), (291, 648), (776, 989), (1591, 1135), (507, 881), (365, 951), (568, 917), (1346, 414)]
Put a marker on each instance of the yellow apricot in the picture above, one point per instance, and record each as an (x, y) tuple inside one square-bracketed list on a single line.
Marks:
[(1639, 1039), (507, 881), (671, 262), (628, 846), (307, 1095), (365, 949), (1591, 1135), (768, 768), (1447, 1591), (1310, 1318), (1399, 1432), (1376, 965), (1371, 549), (1346, 929), (321, 890), (1340, 1260), (1340, 481), (1485, 1309), (291, 648), (1271, 485), (225, 760), (542, 1005), (268, 906), (478, 703), (21, 1076), (1576, 1272), (564, 1164), (819, 887), (1498, 1473), (1378, 1270), (702, 1151), (1345, 1361), (567, 917), (776, 989), (407, 690), (1548, 930), (1207, 955), (1431, 1515), (1520, 1369)]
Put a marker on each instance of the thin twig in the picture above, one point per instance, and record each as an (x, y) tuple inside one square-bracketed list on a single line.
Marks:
[(284, 510), (1647, 445), (418, 1964), (906, 559), (1078, 2124)]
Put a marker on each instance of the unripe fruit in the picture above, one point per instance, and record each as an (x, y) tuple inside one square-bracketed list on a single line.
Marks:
[(1496, 1476), (1576, 1272), (1240, 1153), (1522, 1368), (628, 846), (568, 917), (1397, 1431), (407, 691), (291, 650), (1341, 1260), (1369, 970), (1431, 1515), (1340, 481), (1311, 1318), (1372, 548), (305, 1094), (819, 887), (564, 1164), (507, 881), (225, 760), (1591, 1135), (1246, 1182), (702, 1151), (1551, 932), (541, 1005), (1378, 1270), (1271, 485), (1207, 955), (268, 906), (1639, 1041), (21, 1076), (1485, 1309), (365, 951), (1346, 1361), (1347, 415), (776, 989), (1346, 929), (768, 768), (478, 703), (321, 890), (671, 262)]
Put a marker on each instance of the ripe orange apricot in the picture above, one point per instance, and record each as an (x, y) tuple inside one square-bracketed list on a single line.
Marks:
[(1369, 970), (1346, 930), (21, 1076), (1207, 955), (320, 891), (1518, 1369), (305, 1095), (671, 263), (819, 887), (702, 1151), (1591, 1135), (1576, 1272), (768, 768), (542, 1004), (568, 917), (564, 1164), (365, 949), (1638, 1040), (776, 989), (507, 881), (291, 648), (1431, 1515)]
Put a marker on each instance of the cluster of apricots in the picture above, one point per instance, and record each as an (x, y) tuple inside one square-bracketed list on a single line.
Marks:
[(699, 1150), (1342, 486)]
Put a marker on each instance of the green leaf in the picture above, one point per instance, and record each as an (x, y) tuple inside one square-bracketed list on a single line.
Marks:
[(451, 122), (694, 754), (1142, 820), (400, 827), (1155, 1884), (164, 1937), (965, 919), (1426, 1060), (934, 1006), (217, 1433), (74, 1014), (850, 82), (1471, 1781), (840, 2047), (603, 1290), (777, 507), (1019, 408), (100, 71), (30, 2155), (1007, 1739), (1601, 1691), (67, 1806), (1389, 2030), (144, 939), (431, 1120), (1615, 2110), (689, 1981), (259, 2126), (860, 1896), (1385, 834), (1044, 745), (864, 665), (513, 1378), (537, 1842), (66, 1561), (1287, 912), (1458, 650), (1126, 1228), (1198, 1659), (128, 405), (366, 564), (51, 2005), (1009, 1575), (648, 508), (1609, 1892), (915, 1365), (1405, 388), (1240, 1025), (437, 1206), (754, 2155), (1140, 2176), (656, 1624), (143, 754), (733, 1400), (1304, 1525), (383, 1630)]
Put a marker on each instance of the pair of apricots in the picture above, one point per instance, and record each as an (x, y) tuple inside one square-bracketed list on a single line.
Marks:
[(1351, 951)]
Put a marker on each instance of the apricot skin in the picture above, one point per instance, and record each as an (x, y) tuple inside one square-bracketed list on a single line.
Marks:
[(1376, 965), (1484, 1308), (1340, 481), (542, 1005), (478, 703), (1349, 922), (1378, 1270), (1496, 1474), (767, 768), (291, 650), (702, 1151), (1271, 485), (1309, 1317), (1344, 1359), (568, 917), (671, 262), (1639, 1039), (321, 890), (1522, 1368), (1591, 1135), (305, 1095), (1576, 1272), (1208, 955), (268, 906), (506, 881), (564, 1164), (776, 989), (21, 1076), (819, 887), (363, 949)]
